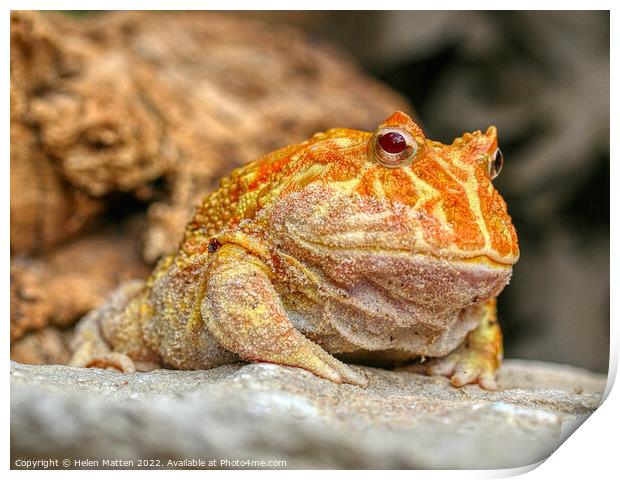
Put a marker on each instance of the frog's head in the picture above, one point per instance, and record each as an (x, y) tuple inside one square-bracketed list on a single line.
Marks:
[(448, 189), (406, 231), (395, 190)]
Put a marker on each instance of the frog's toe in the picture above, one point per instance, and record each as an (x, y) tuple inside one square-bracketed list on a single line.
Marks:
[(112, 360), (475, 367), (348, 375), (333, 369), (313, 358), (464, 373), (322, 369), (463, 367), (487, 381)]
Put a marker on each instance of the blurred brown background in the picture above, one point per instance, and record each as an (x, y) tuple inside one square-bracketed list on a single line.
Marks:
[(107, 192)]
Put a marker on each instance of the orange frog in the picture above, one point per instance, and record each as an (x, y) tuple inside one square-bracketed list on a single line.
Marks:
[(382, 248)]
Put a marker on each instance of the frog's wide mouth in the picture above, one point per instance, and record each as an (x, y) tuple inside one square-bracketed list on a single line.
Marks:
[(490, 260), (486, 260), (428, 280), (481, 258)]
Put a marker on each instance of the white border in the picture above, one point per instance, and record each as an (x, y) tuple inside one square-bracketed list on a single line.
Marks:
[(591, 451)]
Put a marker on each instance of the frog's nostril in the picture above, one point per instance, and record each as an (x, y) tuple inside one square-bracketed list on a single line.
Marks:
[(393, 142)]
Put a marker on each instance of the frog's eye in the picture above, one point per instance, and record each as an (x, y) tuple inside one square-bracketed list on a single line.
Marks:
[(393, 147), (496, 162)]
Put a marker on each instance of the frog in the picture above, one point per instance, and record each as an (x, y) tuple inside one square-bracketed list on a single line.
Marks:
[(381, 248)]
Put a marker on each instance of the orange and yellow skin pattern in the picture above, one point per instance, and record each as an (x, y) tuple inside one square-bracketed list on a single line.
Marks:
[(318, 251)]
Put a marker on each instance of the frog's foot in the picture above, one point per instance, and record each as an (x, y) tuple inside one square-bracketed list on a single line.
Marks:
[(463, 366), (298, 351), (91, 350), (111, 360)]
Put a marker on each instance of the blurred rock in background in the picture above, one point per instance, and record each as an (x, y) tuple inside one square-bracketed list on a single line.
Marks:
[(119, 113)]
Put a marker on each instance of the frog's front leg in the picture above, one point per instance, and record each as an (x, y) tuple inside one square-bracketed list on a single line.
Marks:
[(243, 311), (477, 359)]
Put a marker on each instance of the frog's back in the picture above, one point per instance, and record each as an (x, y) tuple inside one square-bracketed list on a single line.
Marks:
[(242, 193), (235, 199)]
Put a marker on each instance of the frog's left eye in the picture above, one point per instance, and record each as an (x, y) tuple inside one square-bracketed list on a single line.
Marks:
[(496, 162), (393, 147)]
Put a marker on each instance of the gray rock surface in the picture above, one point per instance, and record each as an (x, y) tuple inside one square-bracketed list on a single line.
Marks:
[(267, 412)]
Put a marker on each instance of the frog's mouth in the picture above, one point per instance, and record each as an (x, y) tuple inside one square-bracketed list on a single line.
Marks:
[(436, 286), (489, 260), (482, 258), (408, 274)]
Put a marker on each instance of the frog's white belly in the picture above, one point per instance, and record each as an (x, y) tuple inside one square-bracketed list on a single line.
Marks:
[(345, 328), (417, 305)]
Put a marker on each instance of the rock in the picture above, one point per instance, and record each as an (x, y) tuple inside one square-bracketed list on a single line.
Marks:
[(49, 345), (237, 413), (57, 289)]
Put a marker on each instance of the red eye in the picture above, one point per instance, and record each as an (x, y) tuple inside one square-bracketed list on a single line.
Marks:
[(394, 147), (393, 142)]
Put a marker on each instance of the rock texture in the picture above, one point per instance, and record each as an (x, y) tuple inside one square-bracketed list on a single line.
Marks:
[(72, 279), (268, 412), (46, 346)]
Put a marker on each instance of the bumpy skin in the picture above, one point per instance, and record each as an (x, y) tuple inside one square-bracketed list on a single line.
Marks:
[(318, 251)]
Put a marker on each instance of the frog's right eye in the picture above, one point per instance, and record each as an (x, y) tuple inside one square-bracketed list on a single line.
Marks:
[(496, 162), (393, 147)]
